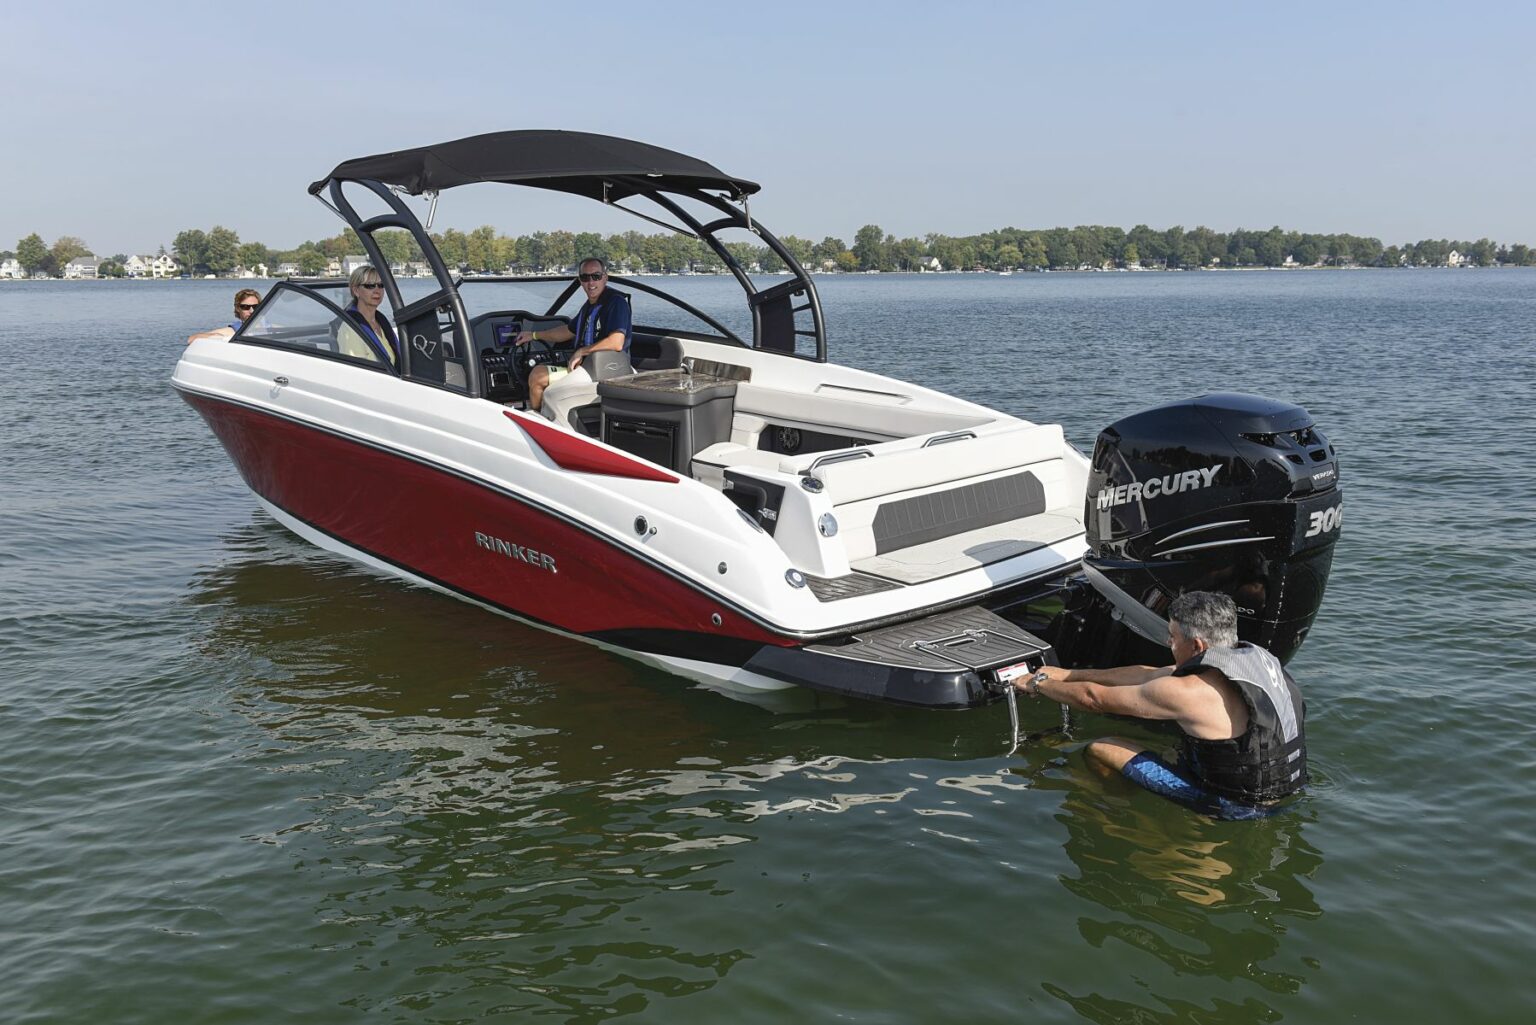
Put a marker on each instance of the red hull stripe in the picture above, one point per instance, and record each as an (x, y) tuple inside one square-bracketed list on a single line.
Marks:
[(573, 452), (489, 544)]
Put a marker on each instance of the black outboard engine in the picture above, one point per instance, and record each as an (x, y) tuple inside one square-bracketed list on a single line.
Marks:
[(1226, 492)]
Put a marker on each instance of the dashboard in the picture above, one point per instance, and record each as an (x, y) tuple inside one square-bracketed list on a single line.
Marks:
[(505, 365)]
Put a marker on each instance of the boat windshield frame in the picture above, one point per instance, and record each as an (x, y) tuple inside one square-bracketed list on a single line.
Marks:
[(777, 310)]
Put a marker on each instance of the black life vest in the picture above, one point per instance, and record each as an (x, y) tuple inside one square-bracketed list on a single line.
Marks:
[(1269, 760)]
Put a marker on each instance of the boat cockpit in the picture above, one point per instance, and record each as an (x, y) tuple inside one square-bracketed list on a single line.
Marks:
[(918, 485)]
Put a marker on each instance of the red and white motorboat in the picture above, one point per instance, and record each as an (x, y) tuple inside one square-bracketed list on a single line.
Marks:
[(741, 511)]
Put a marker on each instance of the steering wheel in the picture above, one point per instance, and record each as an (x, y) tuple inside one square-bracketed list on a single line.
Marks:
[(527, 349), (526, 354)]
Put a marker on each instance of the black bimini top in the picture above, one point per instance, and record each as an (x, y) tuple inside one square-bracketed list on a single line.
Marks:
[(594, 166)]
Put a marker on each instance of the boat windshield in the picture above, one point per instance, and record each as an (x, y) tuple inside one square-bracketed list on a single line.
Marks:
[(700, 305), (489, 295)]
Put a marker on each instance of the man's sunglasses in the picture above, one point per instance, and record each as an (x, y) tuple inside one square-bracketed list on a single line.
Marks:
[(591, 277), (246, 306)]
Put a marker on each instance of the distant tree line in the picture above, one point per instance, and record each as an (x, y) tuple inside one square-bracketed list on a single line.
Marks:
[(1095, 246), (219, 250), (36, 255)]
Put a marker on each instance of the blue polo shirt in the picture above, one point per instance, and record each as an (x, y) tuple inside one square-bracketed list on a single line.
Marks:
[(594, 322)]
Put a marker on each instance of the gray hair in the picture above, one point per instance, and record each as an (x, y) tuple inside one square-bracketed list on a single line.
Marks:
[(1206, 616)]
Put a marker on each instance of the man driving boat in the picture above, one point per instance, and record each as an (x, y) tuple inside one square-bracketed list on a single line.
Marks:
[(602, 325)]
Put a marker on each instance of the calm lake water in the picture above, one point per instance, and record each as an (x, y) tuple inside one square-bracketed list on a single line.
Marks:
[(244, 781)]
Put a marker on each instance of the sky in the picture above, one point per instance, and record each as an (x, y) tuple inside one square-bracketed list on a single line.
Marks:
[(123, 124)]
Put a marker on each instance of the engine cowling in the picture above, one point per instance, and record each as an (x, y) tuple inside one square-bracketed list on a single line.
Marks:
[(1225, 492)]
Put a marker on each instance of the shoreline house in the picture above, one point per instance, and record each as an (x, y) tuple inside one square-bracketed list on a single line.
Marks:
[(162, 266), (81, 268), (288, 269), (11, 269)]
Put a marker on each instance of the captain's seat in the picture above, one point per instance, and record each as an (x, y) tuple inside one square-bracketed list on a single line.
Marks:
[(579, 388), (564, 398)]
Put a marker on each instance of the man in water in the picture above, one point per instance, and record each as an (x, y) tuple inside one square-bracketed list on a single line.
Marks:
[(1241, 713), (602, 324), (246, 301)]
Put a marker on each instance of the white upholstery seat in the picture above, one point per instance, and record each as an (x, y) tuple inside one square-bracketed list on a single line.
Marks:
[(573, 390), (909, 469), (907, 465), (710, 463), (857, 414), (577, 388), (859, 481), (1059, 518)]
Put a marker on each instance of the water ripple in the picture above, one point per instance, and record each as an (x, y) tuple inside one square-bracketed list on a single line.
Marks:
[(244, 780)]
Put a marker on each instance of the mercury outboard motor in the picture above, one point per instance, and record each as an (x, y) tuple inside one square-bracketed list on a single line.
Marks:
[(1226, 492)]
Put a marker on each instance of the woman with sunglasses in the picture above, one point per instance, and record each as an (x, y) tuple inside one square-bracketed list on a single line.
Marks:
[(368, 336), (246, 301)]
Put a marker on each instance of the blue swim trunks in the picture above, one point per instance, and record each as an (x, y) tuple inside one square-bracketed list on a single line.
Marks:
[(1150, 771)]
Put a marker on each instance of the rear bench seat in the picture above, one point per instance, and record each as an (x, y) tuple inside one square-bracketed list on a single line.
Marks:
[(859, 413), (916, 508)]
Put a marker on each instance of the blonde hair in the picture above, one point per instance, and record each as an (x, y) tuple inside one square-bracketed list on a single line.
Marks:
[(357, 275)]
